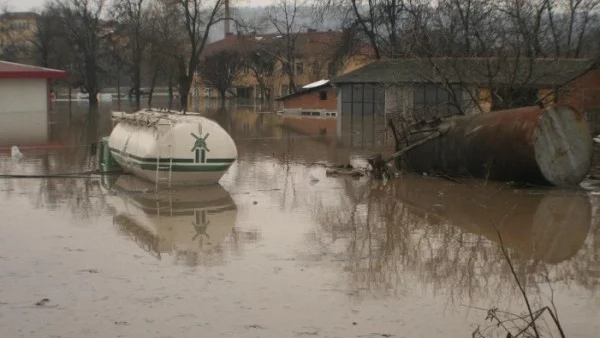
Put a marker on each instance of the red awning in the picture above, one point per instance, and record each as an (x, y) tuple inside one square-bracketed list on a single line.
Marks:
[(18, 71)]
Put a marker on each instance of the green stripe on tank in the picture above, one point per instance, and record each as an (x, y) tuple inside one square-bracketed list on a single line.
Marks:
[(175, 160), (187, 168)]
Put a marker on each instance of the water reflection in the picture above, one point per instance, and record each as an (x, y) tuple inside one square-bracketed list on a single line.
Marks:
[(189, 222), (32, 133), (443, 235)]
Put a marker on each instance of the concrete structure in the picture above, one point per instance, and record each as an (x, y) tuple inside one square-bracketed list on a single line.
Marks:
[(409, 90), (25, 88), (312, 110)]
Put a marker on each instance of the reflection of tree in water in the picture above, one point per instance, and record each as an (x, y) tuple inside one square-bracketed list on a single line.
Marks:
[(407, 232)]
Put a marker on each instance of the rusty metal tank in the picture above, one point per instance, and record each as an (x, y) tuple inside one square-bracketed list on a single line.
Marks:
[(550, 146)]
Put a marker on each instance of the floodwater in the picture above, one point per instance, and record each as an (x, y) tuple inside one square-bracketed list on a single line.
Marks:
[(278, 249)]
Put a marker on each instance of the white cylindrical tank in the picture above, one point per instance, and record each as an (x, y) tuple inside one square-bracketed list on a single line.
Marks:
[(171, 148)]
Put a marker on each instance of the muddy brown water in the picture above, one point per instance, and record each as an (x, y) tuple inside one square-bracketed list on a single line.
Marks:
[(277, 249)]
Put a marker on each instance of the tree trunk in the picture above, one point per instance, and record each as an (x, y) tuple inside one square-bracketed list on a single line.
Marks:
[(119, 86), (93, 98), (91, 81), (185, 83), (170, 93), (222, 97), (152, 85), (137, 83)]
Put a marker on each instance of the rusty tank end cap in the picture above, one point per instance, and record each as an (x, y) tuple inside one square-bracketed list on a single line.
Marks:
[(563, 146)]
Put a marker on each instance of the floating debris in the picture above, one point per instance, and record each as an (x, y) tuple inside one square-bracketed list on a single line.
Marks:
[(42, 302)]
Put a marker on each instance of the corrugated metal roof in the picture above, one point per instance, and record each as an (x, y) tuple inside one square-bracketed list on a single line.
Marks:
[(497, 71), (17, 70)]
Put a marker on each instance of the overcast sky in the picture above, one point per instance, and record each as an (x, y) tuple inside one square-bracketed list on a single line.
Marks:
[(25, 5)]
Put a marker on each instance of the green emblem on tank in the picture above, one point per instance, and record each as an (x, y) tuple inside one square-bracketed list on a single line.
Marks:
[(200, 142)]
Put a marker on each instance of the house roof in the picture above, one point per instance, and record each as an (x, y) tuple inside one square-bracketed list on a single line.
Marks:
[(307, 43), (311, 87), (17, 70), (497, 71)]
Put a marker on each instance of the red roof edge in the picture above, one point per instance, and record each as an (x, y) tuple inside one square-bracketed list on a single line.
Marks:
[(10, 70)]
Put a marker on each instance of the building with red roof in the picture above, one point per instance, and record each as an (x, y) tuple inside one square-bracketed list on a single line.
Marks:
[(25, 103), (25, 88)]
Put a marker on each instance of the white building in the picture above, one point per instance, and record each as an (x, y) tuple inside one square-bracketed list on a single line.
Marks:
[(25, 103), (25, 88)]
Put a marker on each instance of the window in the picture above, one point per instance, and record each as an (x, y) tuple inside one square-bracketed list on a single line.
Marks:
[(299, 68), (323, 95)]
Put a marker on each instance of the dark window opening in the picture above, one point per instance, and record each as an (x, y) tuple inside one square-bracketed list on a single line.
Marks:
[(323, 95)]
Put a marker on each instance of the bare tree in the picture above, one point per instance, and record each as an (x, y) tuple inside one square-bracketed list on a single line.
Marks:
[(130, 15), (262, 67), (220, 70), (83, 28), (117, 54), (284, 17), (384, 24), (197, 18), (47, 33), (167, 44)]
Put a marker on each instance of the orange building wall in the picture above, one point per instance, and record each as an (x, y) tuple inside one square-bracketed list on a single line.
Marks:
[(312, 100)]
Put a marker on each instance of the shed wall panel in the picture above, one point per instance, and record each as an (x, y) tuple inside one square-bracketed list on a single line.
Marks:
[(23, 95)]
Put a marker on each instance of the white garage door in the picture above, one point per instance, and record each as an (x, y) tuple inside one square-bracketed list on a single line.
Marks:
[(23, 95)]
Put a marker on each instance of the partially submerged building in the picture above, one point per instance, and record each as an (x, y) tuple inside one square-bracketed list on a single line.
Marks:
[(25, 88), (311, 110), (25, 100), (409, 90)]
